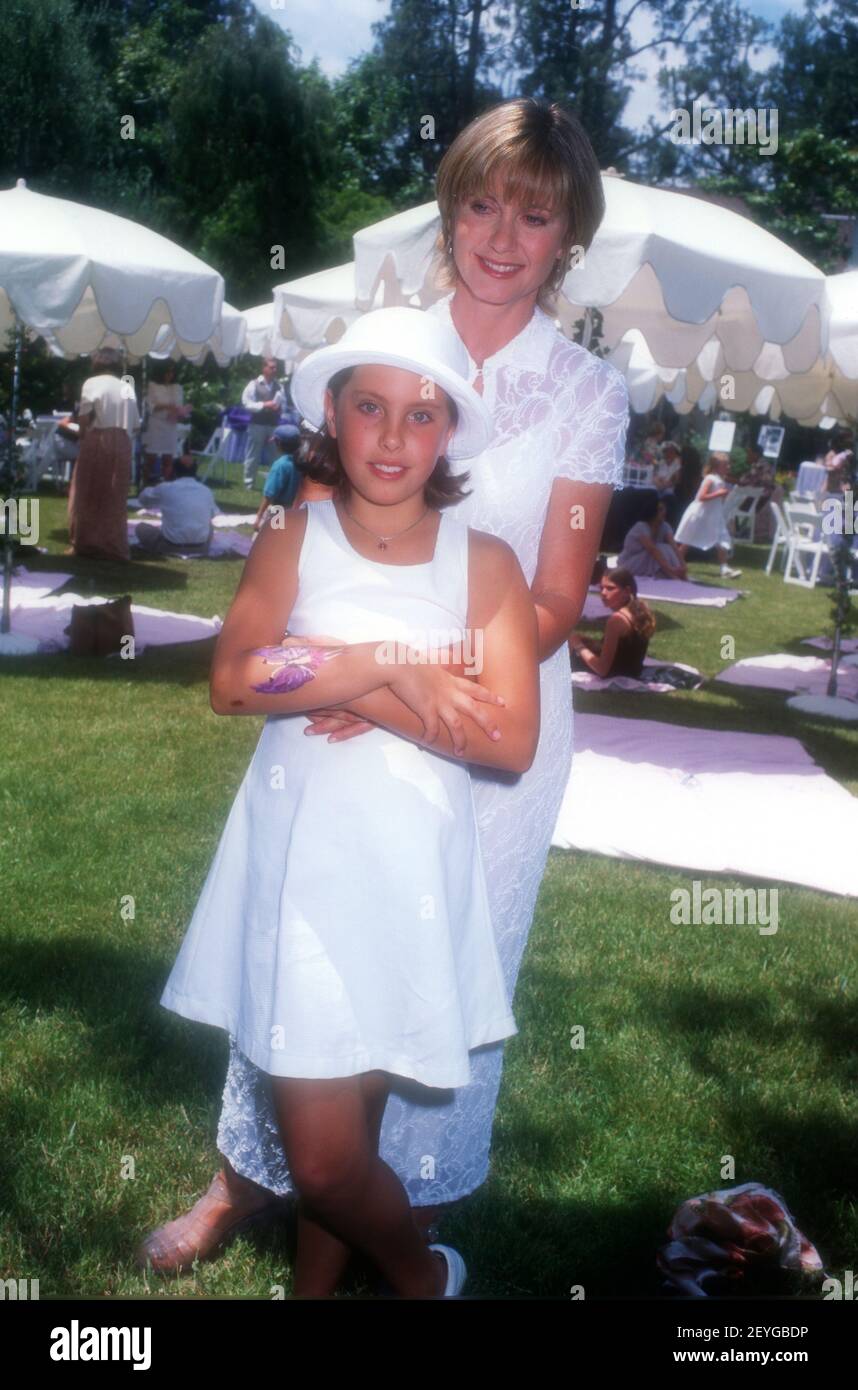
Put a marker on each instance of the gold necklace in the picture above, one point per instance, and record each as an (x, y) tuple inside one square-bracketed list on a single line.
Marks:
[(382, 540)]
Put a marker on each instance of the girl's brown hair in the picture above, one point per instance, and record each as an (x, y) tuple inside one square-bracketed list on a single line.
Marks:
[(543, 157), (643, 618), (319, 459)]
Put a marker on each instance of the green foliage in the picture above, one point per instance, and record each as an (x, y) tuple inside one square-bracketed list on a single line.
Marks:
[(57, 117)]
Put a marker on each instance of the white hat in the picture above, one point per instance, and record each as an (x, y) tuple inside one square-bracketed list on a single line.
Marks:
[(400, 337)]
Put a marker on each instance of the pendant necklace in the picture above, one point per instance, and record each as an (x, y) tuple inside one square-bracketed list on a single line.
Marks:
[(382, 540)]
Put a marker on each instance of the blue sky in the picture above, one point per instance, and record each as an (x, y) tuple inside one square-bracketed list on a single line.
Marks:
[(344, 33)]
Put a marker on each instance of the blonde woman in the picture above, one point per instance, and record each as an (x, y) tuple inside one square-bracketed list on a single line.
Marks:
[(518, 190)]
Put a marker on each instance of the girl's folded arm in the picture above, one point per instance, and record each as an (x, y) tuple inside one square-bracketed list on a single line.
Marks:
[(503, 643), (251, 672)]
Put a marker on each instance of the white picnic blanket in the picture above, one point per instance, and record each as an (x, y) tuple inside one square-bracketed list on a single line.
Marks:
[(753, 805)]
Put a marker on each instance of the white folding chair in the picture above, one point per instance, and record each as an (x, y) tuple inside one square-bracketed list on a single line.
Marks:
[(638, 474), (803, 539), (215, 453), (731, 504), (781, 536), (40, 454), (745, 511)]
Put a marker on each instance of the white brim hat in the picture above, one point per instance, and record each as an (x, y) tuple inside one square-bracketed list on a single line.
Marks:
[(400, 337)]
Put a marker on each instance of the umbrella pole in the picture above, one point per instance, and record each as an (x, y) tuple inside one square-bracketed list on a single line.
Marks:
[(842, 567), (6, 619)]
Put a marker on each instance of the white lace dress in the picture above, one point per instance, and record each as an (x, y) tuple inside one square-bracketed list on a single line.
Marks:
[(559, 412)]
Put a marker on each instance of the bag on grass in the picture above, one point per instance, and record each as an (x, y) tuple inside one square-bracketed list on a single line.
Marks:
[(97, 629)]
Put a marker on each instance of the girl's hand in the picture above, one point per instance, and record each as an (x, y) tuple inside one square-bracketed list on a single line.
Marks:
[(436, 696)]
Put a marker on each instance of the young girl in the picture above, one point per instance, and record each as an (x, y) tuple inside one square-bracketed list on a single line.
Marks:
[(703, 524), (343, 933), (627, 631)]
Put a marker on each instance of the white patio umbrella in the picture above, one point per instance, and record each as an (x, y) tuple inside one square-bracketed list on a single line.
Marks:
[(318, 308), (77, 275), (826, 391), (82, 273), (226, 342), (680, 270), (263, 336), (647, 382), (829, 390)]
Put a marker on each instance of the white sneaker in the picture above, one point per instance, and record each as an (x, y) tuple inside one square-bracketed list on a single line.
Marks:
[(728, 573), (456, 1270)]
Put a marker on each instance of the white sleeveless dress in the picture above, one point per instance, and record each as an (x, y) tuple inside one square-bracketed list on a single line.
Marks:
[(344, 925), (558, 412), (702, 523)]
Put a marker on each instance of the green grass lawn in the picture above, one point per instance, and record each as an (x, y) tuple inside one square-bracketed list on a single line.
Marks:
[(701, 1041)]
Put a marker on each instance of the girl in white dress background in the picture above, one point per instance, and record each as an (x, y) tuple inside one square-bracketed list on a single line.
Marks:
[(518, 190), (702, 523), (343, 935)]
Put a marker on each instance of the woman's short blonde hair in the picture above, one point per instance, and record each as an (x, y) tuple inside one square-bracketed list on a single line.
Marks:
[(540, 155)]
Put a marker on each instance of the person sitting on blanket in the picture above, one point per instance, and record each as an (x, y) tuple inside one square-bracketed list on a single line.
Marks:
[(627, 631), (648, 549), (187, 507)]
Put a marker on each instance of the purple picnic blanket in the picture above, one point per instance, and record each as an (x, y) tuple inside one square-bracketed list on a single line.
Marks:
[(667, 591)]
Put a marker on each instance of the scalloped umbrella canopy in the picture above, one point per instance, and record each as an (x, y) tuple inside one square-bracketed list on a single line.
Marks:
[(318, 308), (79, 274), (226, 342), (680, 270), (263, 338), (826, 390)]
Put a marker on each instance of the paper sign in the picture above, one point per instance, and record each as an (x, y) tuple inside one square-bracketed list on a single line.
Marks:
[(721, 438)]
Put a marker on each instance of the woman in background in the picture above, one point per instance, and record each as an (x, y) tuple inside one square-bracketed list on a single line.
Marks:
[(165, 399), (98, 497), (649, 547)]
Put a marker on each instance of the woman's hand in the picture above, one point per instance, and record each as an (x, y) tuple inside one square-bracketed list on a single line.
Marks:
[(437, 696), (338, 724)]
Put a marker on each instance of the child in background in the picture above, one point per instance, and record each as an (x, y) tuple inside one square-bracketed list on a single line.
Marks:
[(703, 525), (283, 481)]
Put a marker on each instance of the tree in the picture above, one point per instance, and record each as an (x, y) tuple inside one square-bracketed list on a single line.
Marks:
[(48, 134), (245, 165)]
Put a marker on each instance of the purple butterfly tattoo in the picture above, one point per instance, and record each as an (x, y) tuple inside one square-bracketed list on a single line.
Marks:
[(294, 666)]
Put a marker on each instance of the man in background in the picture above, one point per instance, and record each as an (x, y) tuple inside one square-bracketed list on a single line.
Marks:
[(265, 399)]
